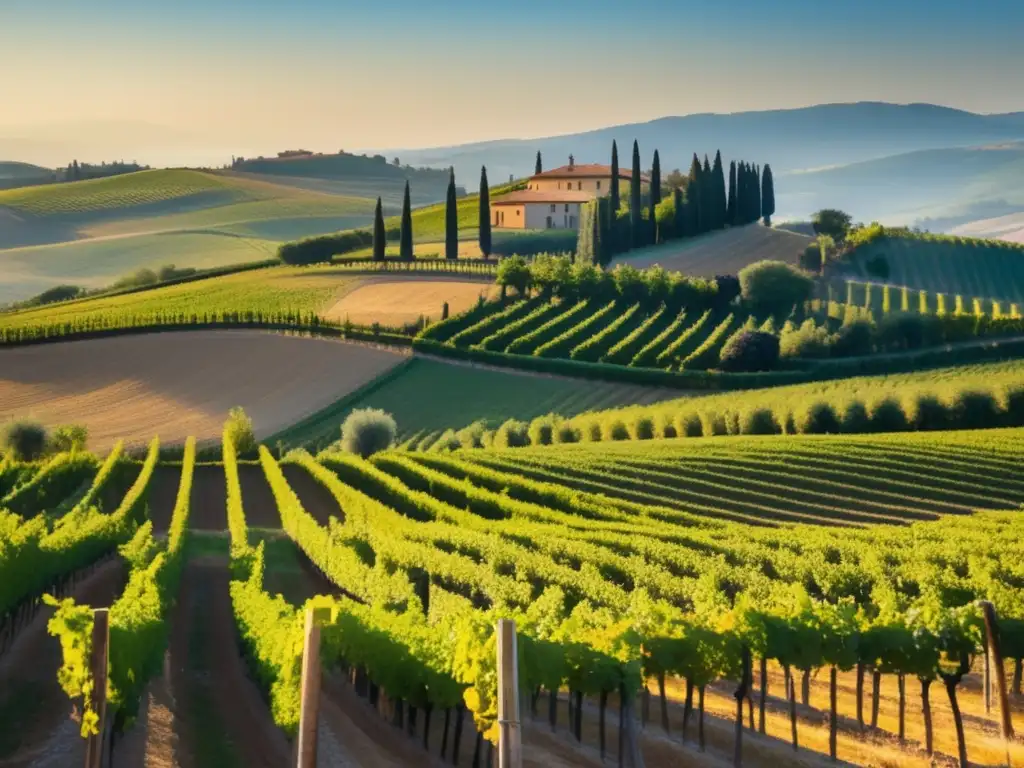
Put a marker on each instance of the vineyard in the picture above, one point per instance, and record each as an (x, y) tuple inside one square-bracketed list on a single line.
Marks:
[(966, 397), (593, 330), (733, 597), (932, 265)]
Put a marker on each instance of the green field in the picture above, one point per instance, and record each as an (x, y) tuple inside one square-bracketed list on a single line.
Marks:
[(460, 394), (972, 268), (91, 233), (272, 289)]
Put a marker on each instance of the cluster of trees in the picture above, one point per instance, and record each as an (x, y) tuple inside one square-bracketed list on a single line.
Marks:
[(80, 171), (702, 201), (29, 440), (560, 276)]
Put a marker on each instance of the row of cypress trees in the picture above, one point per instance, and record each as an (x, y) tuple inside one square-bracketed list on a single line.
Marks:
[(710, 203)]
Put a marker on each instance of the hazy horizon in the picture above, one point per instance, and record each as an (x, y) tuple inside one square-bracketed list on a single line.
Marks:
[(208, 77)]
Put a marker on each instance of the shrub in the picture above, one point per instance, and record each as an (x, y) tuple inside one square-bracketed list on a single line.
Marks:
[(774, 287), (886, 415), (972, 410), (566, 433), (238, 429), (665, 426), (818, 418), (788, 421), (728, 289), (688, 424), (514, 272), (472, 436), (810, 257), (542, 429), (512, 434), (809, 341), (1013, 406), (749, 351), (642, 428), (926, 412), (853, 339), (758, 421), (69, 438), (907, 330), (448, 441), (832, 222), (713, 424), (314, 250), (367, 431), (591, 431), (25, 440), (732, 422), (855, 418), (616, 429)]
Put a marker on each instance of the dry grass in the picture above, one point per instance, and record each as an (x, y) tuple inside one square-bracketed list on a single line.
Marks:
[(181, 384), (395, 301)]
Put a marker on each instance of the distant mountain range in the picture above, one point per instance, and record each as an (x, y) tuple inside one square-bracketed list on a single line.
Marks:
[(907, 163)]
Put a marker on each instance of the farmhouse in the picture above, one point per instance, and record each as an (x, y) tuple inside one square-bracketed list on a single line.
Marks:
[(552, 199)]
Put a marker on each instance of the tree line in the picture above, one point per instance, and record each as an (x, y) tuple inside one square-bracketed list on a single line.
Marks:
[(702, 201)]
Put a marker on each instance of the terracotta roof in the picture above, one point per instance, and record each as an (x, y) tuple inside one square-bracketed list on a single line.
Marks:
[(585, 171), (548, 196)]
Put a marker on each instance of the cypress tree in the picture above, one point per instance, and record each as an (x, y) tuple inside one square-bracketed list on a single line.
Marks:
[(485, 214), (730, 206), (655, 180), (635, 200), (755, 212), (405, 235), (679, 217), (614, 201), (379, 237), (538, 167), (451, 221), (707, 200), (718, 191), (695, 196), (767, 195)]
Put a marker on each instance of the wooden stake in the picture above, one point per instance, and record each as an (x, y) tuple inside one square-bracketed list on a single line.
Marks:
[(310, 696), (510, 738), (996, 653), (98, 670)]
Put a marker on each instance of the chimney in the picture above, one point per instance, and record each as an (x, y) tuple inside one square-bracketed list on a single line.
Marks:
[(572, 163)]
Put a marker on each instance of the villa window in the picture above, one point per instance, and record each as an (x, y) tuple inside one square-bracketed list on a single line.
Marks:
[(599, 185), (566, 207), (579, 185), (552, 207)]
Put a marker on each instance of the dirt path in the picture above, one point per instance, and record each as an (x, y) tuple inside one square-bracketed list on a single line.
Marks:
[(163, 493), (315, 498), (209, 499), (36, 717), (257, 498), (205, 711)]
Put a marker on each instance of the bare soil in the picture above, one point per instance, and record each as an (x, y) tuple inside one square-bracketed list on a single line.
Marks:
[(257, 498), (38, 723), (721, 253), (179, 384), (204, 711), (315, 498), (163, 493), (209, 500), (395, 301)]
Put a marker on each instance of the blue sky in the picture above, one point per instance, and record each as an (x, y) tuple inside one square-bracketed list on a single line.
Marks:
[(408, 73)]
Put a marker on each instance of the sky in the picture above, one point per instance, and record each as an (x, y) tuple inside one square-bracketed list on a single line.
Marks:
[(256, 76)]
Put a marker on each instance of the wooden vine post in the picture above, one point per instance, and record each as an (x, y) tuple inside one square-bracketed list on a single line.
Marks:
[(98, 698), (995, 653), (510, 737), (310, 695)]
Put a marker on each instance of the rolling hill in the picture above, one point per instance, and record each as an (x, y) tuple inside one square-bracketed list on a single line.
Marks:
[(788, 139), (348, 174), (14, 174), (89, 233), (935, 189)]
